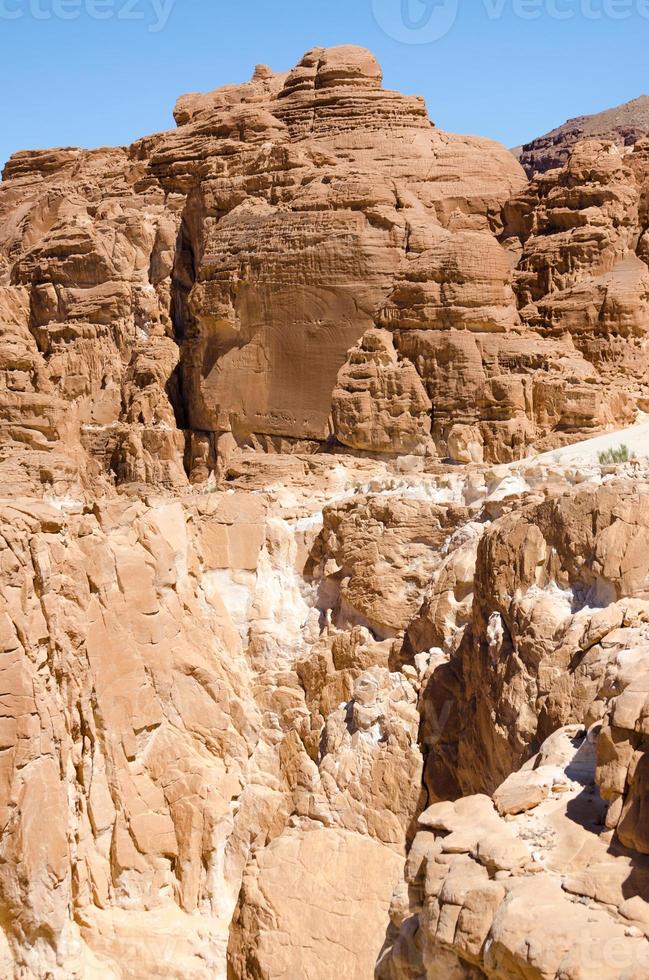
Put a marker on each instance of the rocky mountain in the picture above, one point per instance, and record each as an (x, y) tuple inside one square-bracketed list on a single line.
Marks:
[(324, 573), (625, 125)]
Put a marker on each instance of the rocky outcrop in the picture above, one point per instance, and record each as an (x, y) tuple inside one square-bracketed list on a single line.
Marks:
[(375, 557), (295, 247), (307, 260), (540, 688), (87, 256), (544, 639), (379, 403), (156, 735), (308, 670), (230, 703), (581, 275), (625, 125), (487, 890)]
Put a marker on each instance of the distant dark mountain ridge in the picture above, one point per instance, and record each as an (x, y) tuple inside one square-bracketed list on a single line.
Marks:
[(626, 124)]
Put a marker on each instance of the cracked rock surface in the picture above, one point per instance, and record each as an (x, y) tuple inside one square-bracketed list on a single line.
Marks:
[(324, 628)]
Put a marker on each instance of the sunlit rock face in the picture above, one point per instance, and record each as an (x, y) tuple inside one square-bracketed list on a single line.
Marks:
[(312, 196), (308, 260), (309, 670)]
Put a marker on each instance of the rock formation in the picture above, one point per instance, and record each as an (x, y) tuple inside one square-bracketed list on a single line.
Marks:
[(324, 628), (624, 125)]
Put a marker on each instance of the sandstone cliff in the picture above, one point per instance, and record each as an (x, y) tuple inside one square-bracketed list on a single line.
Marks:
[(313, 667), (223, 285)]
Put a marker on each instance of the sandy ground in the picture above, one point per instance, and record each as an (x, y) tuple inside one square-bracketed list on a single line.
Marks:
[(635, 438)]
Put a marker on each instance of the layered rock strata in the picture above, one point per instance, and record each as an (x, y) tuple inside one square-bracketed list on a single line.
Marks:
[(307, 261), (285, 694)]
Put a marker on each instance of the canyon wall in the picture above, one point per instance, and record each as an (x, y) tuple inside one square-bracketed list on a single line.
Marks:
[(312, 665)]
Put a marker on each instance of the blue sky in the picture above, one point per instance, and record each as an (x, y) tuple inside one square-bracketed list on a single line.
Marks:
[(510, 69)]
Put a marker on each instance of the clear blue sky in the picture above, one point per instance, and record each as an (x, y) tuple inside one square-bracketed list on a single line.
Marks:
[(87, 81)]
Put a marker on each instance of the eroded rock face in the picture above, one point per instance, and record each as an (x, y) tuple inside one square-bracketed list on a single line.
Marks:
[(335, 917), (286, 694), (231, 280), (574, 573), (229, 759), (158, 663), (582, 274), (560, 848), (309, 207), (379, 403)]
